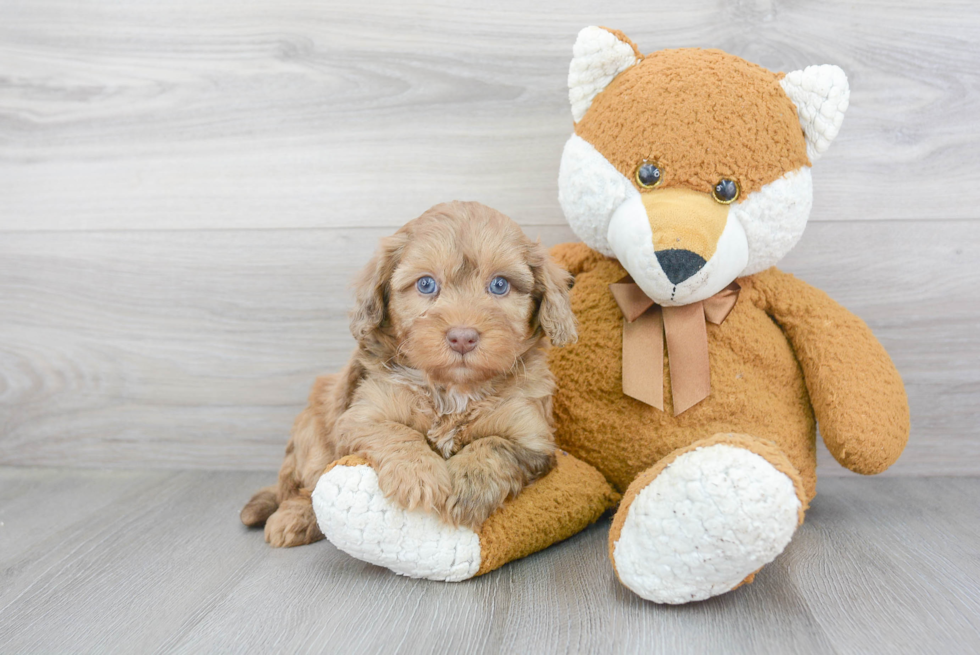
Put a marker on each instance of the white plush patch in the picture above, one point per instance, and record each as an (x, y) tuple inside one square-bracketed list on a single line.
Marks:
[(774, 218), (597, 57), (590, 189), (357, 518), (712, 517), (631, 240), (821, 95)]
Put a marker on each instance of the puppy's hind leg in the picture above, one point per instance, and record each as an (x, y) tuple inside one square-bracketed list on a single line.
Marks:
[(260, 507), (294, 523), (285, 508)]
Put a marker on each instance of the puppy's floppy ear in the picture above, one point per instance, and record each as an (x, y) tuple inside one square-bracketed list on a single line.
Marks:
[(372, 289), (551, 285)]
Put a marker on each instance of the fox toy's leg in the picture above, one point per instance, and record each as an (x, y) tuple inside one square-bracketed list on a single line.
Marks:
[(702, 520), (357, 518)]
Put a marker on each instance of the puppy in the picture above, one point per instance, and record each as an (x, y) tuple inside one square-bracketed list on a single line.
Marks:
[(448, 393)]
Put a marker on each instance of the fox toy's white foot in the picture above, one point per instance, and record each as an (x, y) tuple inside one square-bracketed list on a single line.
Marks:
[(706, 522), (356, 517)]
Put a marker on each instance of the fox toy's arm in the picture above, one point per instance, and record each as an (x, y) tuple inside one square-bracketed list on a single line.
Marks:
[(857, 394)]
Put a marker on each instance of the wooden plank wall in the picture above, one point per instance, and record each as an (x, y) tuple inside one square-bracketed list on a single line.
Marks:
[(187, 187)]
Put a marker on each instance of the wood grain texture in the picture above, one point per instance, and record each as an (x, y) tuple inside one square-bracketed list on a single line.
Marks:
[(881, 565), (186, 189), (300, 113), (898, 549), (195, 349), (35, 504)]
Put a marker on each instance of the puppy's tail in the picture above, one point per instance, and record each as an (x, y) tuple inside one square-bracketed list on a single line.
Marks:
[(261, 507)]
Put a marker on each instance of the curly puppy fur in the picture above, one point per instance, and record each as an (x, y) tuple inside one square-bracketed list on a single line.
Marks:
[(449, 432)]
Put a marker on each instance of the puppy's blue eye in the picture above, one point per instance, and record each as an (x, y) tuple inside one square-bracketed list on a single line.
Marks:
[(499, 286), (427, 285)]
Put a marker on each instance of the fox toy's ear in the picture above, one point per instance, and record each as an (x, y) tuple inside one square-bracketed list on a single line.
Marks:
[(821, 96), (598, 56)]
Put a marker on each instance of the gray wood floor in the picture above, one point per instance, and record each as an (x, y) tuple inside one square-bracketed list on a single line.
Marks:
[(150, 561)]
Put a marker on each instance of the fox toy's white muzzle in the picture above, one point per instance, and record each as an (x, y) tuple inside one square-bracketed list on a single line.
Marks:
[(610, 215), (674, 254)]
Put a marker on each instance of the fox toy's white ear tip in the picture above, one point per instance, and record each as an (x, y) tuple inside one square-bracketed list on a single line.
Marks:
[(585, 35), (598, 56), (821, 95)]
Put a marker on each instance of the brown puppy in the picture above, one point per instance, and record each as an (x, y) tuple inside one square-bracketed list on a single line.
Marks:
[(448, 393)]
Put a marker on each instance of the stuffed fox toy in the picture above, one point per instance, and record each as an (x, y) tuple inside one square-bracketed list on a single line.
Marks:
[(691, 399)]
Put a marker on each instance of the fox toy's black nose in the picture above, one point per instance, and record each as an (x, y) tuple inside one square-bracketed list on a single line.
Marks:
[(462, 340), (680, 264)]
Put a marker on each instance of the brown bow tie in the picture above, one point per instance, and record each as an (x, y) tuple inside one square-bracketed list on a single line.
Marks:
[(687, 344)]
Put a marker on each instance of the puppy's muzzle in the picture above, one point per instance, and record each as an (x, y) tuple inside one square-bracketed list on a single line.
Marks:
[(462, 340)]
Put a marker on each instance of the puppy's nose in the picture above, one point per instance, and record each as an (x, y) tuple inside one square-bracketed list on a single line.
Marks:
[(462, 340)]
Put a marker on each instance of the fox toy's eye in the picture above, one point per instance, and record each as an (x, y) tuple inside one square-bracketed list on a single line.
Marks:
[(427, 285), (725, 192), (648, 175), (499, 286)]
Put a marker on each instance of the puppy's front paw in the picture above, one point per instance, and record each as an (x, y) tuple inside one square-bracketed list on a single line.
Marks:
[(416, 485), (476, 494)]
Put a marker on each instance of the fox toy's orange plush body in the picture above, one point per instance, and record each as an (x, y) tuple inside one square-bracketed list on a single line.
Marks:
[(701, 372)]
